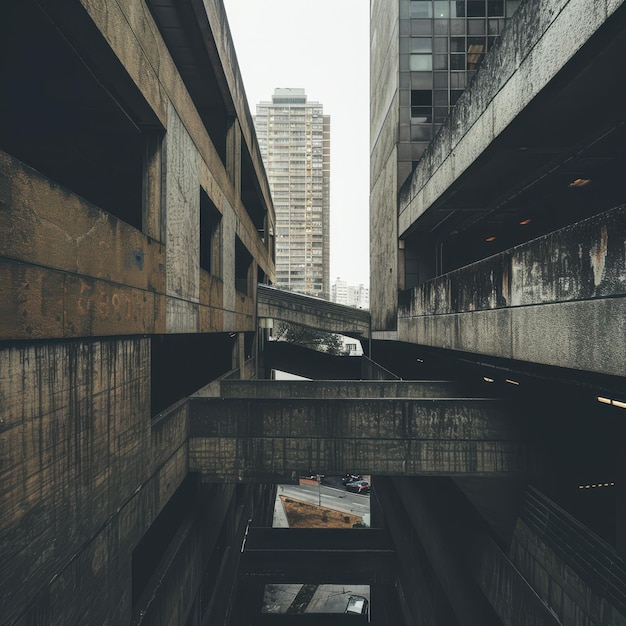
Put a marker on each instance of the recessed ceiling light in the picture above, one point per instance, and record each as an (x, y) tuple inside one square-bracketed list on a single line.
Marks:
[(580, 182), (490, 239), (524, 222)]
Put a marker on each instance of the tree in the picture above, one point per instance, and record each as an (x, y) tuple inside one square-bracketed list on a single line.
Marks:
[(309, 338)]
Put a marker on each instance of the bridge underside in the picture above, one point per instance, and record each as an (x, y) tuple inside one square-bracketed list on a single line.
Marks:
[(288, 306)]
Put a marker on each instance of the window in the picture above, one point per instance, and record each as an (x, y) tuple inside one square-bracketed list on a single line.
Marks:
[(476, 8), (421, 8), (210, 231), (243, 262), (421, 105), (421, 54), (495, 8), (57, 117), (475, 52)]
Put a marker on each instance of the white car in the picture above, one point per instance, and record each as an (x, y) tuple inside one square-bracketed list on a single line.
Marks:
[(357, 605)]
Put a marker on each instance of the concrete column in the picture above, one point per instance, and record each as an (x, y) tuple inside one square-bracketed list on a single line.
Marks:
[(152, 213), (233, 155)]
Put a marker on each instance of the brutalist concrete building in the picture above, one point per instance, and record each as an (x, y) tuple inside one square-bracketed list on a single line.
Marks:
[(500, 249), (135, 225)]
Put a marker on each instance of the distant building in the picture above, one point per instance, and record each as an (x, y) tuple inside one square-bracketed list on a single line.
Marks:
[(339, 291), (351, 295), (294, 139), (427, 54)]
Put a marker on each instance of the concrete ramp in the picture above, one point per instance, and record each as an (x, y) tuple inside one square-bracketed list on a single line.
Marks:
[(296, 308)]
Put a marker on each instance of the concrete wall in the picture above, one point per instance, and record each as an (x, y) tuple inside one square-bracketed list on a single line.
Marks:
[(384, 120), (480, 582), (584, 585), (339, 389), (84, 473), (571, 284)]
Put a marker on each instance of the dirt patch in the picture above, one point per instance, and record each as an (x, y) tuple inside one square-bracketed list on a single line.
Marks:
[(306, 515)]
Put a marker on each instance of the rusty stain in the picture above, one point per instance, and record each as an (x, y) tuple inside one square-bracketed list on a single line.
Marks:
[(597, 255)]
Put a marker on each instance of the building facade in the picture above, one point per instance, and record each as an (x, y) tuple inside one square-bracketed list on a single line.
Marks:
[(501, 251), (294, 139), (424, 53), (351, 295)]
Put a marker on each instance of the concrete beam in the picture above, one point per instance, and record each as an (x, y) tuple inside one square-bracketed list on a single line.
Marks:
[(312, 312), (320, 555), (330, 389), (269, 439)]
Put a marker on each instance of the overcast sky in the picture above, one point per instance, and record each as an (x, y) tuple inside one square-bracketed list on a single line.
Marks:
[(323, 47)]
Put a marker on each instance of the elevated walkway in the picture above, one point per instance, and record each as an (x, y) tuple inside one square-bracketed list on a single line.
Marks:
[(387, 428), (295, 308)]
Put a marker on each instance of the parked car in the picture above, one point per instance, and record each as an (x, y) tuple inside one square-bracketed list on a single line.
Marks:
[(358, 486), (350, 478), (357, 605)]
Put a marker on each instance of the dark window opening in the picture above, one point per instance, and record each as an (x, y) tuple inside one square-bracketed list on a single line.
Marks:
[(193, 61), (421, 105), (251, 195), (182, 364), (457, 61), (243, 262), (495, 7), (210, 235), (61, 120), (476, 8)]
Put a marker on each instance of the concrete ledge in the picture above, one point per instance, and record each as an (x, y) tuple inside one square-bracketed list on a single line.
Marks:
[(329, 389), (558, 300)]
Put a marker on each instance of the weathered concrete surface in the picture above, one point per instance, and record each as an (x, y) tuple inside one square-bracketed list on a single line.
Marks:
[(313, 312), (86, 469), (571, 284), (329, 389), (384, 121), (71, 269), (236, 439), (79, 455), (477, 576), (580, 577), (538, 42)]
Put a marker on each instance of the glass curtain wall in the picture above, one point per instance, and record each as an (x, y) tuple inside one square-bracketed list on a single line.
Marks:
[(442, 43)]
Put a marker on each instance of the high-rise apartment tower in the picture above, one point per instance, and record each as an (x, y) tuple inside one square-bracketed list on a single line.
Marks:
[(294, 139)]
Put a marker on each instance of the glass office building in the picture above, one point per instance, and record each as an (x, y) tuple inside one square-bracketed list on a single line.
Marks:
[(294, 138)]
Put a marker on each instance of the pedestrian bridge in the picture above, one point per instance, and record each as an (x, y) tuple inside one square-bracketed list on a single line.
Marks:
[(271, 430), (295, 308)]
